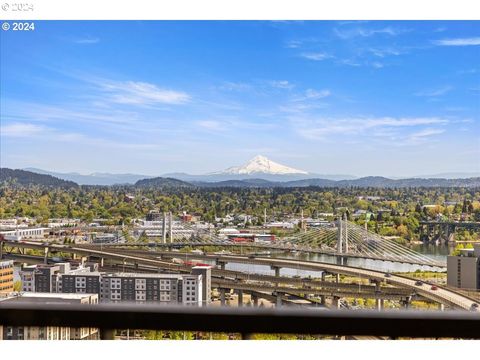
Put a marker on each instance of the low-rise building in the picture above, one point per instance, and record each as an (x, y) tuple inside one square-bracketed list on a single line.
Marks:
[(280, 225), (56, 223), (31, 233), (48, 332), (8, 224)]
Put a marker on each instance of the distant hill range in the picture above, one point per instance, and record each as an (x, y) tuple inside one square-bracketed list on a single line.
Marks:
[(161, 182), (94, 178), (369, 181), (26, 178), (254, 179)]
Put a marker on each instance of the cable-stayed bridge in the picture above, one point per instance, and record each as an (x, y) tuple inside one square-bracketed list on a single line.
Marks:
[(351, 240), (343, 239)]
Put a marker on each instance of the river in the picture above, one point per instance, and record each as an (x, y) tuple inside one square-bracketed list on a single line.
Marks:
[(436, 252)]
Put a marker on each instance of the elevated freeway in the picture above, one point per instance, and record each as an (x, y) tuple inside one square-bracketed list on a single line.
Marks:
[(263, 283), (441, 295)]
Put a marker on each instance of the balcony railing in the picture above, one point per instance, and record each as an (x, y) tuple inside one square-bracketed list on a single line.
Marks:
[(246, 321)]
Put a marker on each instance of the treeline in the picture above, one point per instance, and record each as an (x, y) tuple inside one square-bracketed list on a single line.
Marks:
[(391, 212), (10, 177)]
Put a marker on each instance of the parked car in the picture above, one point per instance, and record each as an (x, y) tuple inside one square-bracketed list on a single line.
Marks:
[(418, 283), (387, 275), (434, 287), (474, 307)]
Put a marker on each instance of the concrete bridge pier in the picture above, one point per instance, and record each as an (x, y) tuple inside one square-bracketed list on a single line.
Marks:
[(379, 304), (277, 270), (45, 257), (222, 264), (441, 307), (279, 300), (222, 297), (322, 300), (336, 302), (406, 302), (1, 250), (337, 278), (240, 298), (255, 300)]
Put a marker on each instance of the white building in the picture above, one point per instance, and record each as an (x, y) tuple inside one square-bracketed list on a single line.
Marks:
[(57, 223), (25, 233)]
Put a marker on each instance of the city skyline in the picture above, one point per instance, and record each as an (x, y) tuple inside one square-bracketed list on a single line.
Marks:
[(392, 98)]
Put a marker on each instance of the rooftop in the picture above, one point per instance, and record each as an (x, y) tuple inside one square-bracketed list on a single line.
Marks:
[(152, 276), (47, 298)]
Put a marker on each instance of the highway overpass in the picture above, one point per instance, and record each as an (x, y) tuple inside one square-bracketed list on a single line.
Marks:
[(441, 295)]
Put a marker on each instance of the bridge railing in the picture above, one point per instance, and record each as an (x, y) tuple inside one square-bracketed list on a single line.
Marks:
[(246, 321)]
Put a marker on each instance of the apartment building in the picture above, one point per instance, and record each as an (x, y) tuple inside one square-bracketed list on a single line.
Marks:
[(145, 288), (463, 271), (6, 276), (40, 278), (186, 289), (48, 332)]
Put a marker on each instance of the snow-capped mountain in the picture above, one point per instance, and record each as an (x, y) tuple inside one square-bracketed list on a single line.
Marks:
[(262, 165)]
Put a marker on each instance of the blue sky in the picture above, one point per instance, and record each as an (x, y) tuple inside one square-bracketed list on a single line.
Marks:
[(394, 98)]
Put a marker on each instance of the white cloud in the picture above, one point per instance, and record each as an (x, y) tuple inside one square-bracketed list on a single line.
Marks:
[(349, 62), (235, 86), (458, 42), (21, 130), (301, 107), (377, 65), (435, 92), (424, 133), (293, 44), (141, 93), (316, 56), (282, 84), (366, 32), (211, 125), (314, 94), (385, 126), (50, 135), (383, 52), (87, 41)]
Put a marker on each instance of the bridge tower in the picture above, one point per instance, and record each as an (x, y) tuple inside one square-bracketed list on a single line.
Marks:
[(340, 235), (345, 234), (170, 226), (164, 228)]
